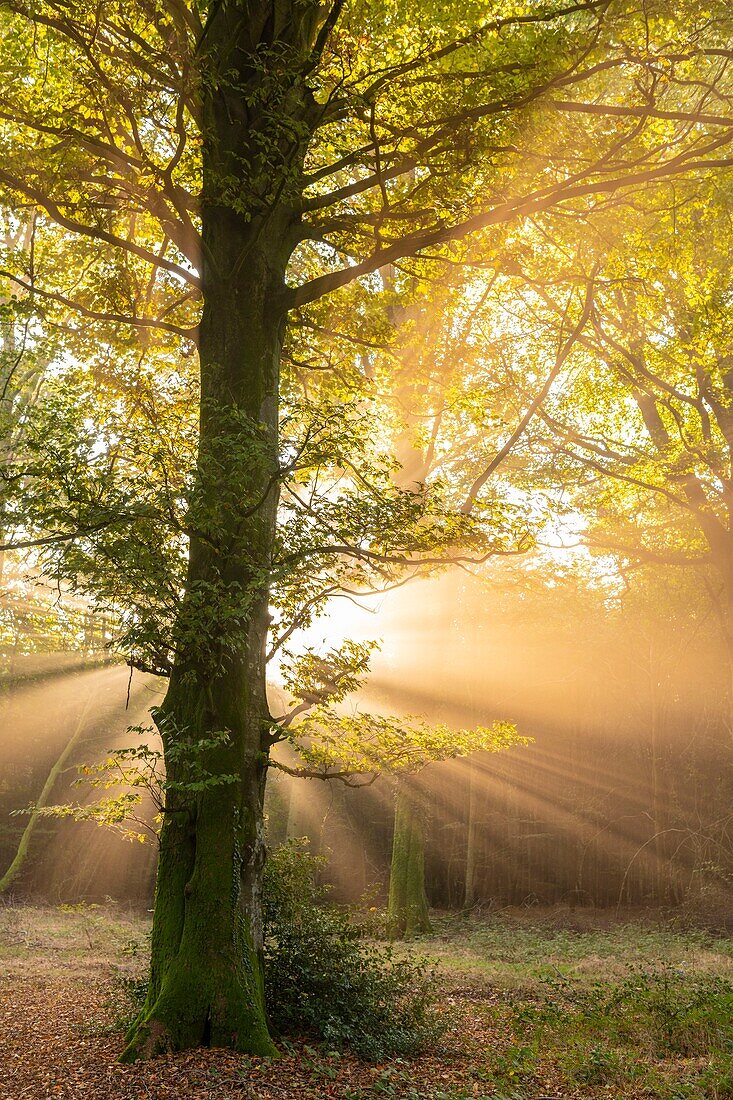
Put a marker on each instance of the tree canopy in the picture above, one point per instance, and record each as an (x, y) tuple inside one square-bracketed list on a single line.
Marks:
[(287, 285)]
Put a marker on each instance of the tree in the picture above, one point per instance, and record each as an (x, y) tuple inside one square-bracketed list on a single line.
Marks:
[(16, 865), (638, 429), (256, 161), (407, 904)]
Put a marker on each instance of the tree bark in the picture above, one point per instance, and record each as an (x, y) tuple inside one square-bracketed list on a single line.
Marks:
[(206, 981), (407, 907), (206, 984)]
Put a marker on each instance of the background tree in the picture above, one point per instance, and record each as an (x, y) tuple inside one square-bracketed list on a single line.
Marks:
[(636, 428)]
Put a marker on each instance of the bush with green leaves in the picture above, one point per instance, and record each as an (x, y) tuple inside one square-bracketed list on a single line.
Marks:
[(323, 979), (680, 1014)]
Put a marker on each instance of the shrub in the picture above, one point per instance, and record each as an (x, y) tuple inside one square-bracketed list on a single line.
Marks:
[(323, 979)]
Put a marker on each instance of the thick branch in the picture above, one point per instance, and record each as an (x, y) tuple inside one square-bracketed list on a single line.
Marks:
[(522, 207), (346, 776)]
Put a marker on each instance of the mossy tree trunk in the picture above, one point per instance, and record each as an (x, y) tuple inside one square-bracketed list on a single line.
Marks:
[(206, 977), (407, 907)]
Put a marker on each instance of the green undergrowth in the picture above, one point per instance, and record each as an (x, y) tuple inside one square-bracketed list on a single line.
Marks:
[(659, 1034), (324, 978), (519, 948), (659, 1013), (669, 1031), (598, 1007)]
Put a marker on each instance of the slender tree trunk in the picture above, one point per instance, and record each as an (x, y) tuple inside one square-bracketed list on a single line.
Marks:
[(472, 696), (662, 870), (206, 983), (277, 811), (407, 907), (16, 866), (726, 616), (469, 891)]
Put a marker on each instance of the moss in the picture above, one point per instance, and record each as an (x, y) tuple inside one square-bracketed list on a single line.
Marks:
[(407, 908), (206, 985), (199, 1006)]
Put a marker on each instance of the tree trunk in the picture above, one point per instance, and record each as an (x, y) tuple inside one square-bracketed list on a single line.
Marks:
[(16, 866), (277, 811), (206, 981), (469, 891), (206, 984), (407, 907)]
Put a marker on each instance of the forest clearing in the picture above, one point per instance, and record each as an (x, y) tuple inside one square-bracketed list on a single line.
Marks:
[(644, 1013), (366, 549)]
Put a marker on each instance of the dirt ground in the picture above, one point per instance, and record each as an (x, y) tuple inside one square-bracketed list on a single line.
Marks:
[(49, 1015)]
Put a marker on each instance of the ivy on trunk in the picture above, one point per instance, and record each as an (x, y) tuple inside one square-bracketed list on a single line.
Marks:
[(206, 985)]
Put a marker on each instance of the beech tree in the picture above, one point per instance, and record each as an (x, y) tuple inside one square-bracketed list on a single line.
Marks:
[(208, 174), (407, 903)]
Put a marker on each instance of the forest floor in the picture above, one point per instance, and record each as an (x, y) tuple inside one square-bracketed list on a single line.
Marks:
[(538, 1004)]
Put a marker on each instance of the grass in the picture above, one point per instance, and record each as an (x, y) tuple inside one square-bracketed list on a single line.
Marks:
[(543, 1003), (518, 948), (93, 934), (634, 1005)]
